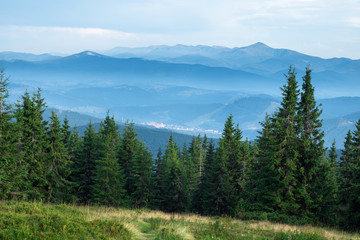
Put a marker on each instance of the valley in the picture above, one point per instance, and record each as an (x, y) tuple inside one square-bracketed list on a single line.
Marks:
[(188, 89)]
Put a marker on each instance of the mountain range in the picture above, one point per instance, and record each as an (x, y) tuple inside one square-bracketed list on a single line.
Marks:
[(190, 89)]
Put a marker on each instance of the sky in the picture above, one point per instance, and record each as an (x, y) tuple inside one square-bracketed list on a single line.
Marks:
[(324, 28)]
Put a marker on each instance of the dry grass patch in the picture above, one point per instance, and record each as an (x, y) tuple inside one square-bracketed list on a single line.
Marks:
[(278, 227), (93, 213)]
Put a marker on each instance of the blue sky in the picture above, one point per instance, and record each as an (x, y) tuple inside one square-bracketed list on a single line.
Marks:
[(325, 28)]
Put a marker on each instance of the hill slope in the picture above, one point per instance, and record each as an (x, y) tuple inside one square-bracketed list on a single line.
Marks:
[(92, 69), (22, 220), (153, 137)]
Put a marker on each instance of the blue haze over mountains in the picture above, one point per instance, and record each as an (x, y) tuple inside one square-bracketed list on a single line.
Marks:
[(191, 89)]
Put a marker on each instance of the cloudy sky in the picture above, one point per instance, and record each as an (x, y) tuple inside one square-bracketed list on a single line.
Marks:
[(325, 28)]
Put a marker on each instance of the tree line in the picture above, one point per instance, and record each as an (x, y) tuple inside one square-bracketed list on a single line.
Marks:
[(285, 173)]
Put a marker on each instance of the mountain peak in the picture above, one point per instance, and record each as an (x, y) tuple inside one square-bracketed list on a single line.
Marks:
[(259, 45), (86, 54)]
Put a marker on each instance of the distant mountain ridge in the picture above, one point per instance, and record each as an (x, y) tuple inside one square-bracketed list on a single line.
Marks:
[(237, 58), (92, 67), (259, 59), (189, 88), (11, 56)]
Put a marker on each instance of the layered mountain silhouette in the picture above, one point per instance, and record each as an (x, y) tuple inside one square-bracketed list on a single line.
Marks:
[(187, 88)]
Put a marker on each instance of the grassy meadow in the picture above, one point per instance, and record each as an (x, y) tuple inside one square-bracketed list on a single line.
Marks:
[(24, 220)]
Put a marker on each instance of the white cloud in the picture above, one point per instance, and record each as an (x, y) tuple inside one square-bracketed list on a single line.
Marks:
[(354, 22), (39, 39), (83, 32)]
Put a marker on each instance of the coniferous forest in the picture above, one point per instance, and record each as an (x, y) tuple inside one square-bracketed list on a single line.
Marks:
[(285, 175)]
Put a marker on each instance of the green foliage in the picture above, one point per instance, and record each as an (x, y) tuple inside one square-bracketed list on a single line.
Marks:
[(283, 177), (219, 196), (143, 194), (33, 145), (328, 209), (36, 221), (204, 189), (23, 220), (109, 181), (158, 177), (12, 172), (345, 171), (83, 168), (289, 172), (127, 155), (174, 199), (312, 151), (59, 163), (264, 187), (274, 178), (350, 166)]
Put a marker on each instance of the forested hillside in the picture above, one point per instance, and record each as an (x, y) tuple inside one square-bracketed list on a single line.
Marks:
[(285, 175), (153, 137)]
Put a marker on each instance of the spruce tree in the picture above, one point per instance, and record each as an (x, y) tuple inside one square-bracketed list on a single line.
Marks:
[(204, 190), (230, 140), (353, 215), (66, 133), (83, 169), (286, 141), (195, 164), (58, 169), (345, 169), (33, 144), (189, 170), (75, 152), (143, 194), (328, 208), (311, 149), (109, 181), (127, 156), (12, 170), (174, 199), (220, 197), (265, 187), (159, 188)]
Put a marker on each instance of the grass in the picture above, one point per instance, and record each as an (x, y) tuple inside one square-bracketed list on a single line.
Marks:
[(23, 220)]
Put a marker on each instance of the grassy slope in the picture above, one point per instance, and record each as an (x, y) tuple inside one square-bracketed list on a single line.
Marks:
[(22, 220)]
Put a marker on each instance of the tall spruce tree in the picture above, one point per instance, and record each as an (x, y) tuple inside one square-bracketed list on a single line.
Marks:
[(33, 144), (189, 170), (174, 179), (11, 166), (345, 170), (328, 208), (127, 156), (75, 152), (109, 181), (220, 196), (265, 187), (83, 168), (230, 139), (311, 149), (286, 142), (143, 194), (159, 187), (203, 192), (58, 163), (195, 164), (353, 215)]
